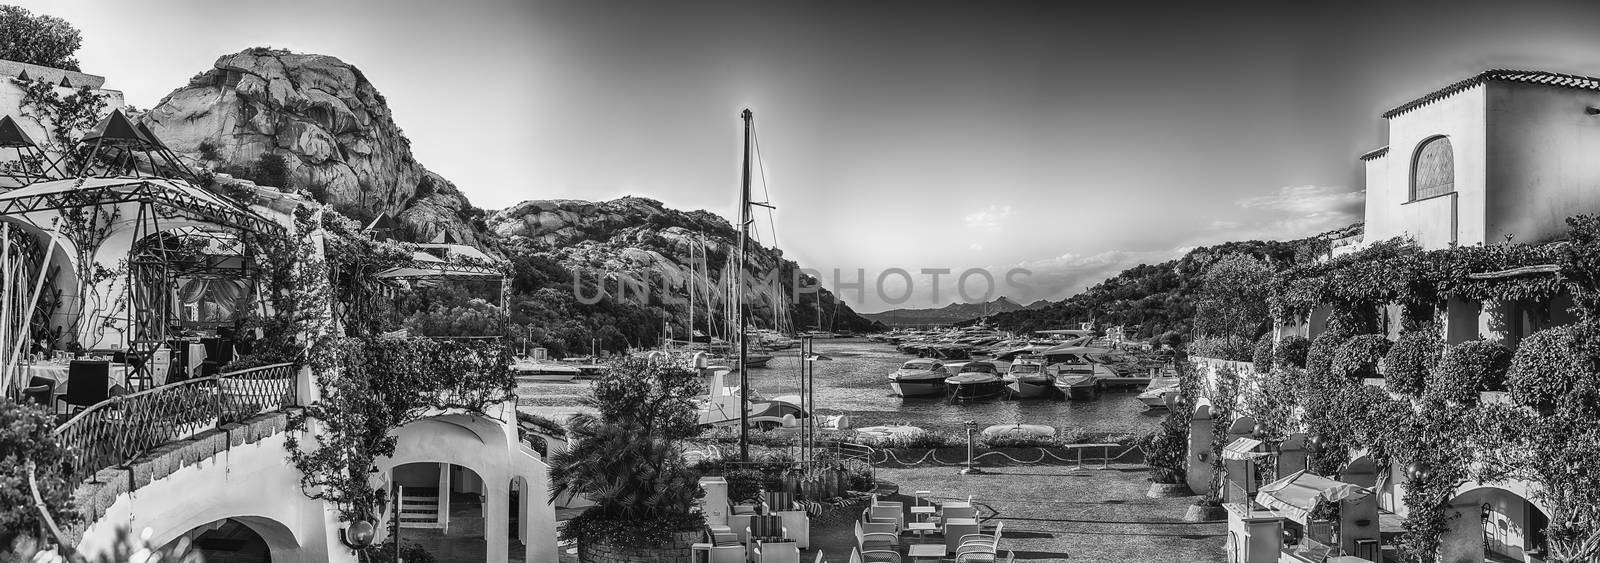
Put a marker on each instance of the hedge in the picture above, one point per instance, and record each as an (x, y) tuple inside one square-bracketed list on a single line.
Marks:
[(1291, 351), (1358, 357), (1413, 356), (1468, 368)]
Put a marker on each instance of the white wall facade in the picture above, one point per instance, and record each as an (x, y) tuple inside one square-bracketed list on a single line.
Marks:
[(1438, 221)]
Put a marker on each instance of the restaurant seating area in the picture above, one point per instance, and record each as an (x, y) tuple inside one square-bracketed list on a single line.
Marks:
[(71, 382), (778, 529)]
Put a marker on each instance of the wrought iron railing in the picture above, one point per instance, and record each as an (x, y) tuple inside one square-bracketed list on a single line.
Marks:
[(118, 431)]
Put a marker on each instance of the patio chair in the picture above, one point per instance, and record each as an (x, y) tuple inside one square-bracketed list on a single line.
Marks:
[(980, 547), (875, 541), (88, 383), (777, 551), (40, 390), (765, 527), (795, 519), (957, 529), (857, 556)]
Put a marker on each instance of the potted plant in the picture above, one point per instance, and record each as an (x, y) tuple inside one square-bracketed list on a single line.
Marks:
[(628, 461)]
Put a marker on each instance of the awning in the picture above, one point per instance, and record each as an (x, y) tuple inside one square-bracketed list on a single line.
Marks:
[(1300, 492), (1242, 449)]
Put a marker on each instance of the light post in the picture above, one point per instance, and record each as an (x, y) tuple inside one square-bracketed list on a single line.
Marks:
[(808, 396), (972, 427)]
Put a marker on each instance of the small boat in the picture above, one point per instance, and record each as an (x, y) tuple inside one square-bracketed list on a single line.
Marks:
[(1160, 392), (543, 371), (1027, 378), (1077, 374), (1019, 431), (921, 377), (976, 380)]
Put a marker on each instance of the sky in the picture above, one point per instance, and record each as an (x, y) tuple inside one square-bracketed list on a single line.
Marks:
[(1070, 139)]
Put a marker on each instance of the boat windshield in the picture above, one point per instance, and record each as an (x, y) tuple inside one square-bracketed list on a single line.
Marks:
[(1024, 368), (915, 364), (977, 368)]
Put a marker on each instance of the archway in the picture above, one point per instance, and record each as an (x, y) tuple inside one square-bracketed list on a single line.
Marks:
[(1493, 524), (442, 508), (241, 539)]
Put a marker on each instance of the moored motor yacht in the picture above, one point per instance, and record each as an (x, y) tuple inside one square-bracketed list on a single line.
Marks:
[(1028, 380), (921, 377), (1160, 392), (975, 380)]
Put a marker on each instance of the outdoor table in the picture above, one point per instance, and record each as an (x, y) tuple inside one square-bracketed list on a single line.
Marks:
[(926, 551), (921, 513), (58, 373), (921, 528)]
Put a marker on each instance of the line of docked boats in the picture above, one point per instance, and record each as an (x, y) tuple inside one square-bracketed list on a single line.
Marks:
[(1063, 364)]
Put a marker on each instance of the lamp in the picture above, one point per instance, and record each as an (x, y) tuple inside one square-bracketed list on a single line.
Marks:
[(1419, 471), (358, 536), (972, 426)]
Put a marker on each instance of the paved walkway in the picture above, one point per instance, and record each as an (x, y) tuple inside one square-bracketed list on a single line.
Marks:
[(464, 543), (1059, 513)]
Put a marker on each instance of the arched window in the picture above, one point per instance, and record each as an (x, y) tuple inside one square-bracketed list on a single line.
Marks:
[(1433, 172)]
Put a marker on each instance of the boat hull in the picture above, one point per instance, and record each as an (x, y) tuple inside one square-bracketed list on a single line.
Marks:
[(971, 391), (1078, 387), (1024, 389), (918, 388)]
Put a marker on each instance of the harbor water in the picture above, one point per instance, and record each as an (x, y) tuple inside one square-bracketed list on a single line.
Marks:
[(853, 382)]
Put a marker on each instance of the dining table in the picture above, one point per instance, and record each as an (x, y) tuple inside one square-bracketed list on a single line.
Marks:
[(57, 372)]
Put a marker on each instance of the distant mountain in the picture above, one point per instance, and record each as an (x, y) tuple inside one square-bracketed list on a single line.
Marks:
[(1151, 299), (639, 239), (948, 314)]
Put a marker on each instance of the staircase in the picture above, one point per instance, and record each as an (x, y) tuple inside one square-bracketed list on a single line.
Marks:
[(419, 508)]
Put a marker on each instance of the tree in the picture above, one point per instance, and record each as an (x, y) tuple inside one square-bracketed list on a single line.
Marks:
[(1233, 298), (629, 461), (38, 39)]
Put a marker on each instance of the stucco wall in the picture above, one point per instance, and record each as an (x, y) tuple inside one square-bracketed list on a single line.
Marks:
[(1542, 165), (1390, 211), (246, 481)]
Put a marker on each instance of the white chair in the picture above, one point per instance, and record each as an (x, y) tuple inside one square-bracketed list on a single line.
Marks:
[(875, 540), (980, 547), (777, 552), (795, 519), (857, 556)]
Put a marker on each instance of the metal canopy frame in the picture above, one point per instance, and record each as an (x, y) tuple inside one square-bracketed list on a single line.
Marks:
[(170, 199)]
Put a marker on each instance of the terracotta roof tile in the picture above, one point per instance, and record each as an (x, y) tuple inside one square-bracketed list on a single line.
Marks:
[(1501, 75)]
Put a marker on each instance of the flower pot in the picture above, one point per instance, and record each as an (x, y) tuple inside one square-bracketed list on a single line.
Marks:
[(1198, 513), (679, 550), (1168, 490)]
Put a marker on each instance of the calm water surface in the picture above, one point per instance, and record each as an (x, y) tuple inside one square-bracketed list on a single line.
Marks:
[(855, 383)]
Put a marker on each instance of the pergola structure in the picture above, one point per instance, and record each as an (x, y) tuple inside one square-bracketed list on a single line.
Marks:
[(448, 261), (125, 201)]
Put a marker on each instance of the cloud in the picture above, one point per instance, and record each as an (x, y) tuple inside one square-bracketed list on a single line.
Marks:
[(1304, 200), (989, 219), (1063, 276), (1289, 213)]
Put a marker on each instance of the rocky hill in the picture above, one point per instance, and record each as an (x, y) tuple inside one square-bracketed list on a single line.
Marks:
[(624, 245), (314, 123), (948, 314), (310, 122)]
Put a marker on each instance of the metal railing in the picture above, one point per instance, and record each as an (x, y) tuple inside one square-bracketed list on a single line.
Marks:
[(118, 431)]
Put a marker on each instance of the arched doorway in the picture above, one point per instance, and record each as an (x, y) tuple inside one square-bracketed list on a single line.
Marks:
[(1494, 524), (442, 509), (239, 540)]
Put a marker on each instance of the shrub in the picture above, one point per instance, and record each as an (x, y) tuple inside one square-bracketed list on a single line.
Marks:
[(1166, 476), (1291, 351), (1468, 368), (1407, 365), (1013, 441), (1319, 355), (1543, 372), (26, 435), (1263, 354), (1221, 348), (1358, 357)]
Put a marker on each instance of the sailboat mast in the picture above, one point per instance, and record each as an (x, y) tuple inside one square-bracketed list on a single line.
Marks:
[(738, 291)]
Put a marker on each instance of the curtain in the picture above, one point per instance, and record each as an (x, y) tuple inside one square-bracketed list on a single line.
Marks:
[(211, 300)]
